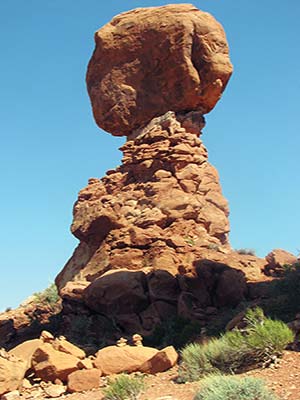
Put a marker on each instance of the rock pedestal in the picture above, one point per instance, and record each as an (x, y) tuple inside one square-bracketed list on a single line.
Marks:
[(146, 229), (154, 232)]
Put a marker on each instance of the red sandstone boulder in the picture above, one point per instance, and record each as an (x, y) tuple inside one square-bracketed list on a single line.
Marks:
[(114, 359), (277, 259), (151, 60), (26, 350), (80, 381), (162, 361), (50, 364), (12, 372)]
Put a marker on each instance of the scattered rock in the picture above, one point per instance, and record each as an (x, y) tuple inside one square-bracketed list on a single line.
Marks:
[(87, 363), (14, 395), (80, 381), (54, 390)]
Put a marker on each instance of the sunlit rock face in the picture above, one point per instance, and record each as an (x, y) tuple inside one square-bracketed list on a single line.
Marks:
[(154, 232), (152, 60)]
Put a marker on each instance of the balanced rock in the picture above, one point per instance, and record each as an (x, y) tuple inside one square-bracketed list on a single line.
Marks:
[(152, 60), (154, 232)]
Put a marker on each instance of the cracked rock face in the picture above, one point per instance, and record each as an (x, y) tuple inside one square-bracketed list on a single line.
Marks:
[(152, 60), (156, 211)]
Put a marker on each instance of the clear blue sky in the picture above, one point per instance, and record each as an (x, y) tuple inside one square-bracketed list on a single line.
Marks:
[(50, 144)]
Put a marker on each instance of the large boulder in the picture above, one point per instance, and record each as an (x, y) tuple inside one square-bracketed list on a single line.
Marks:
[(26, 350), (50, 364), (114, 359), (151, 60), (161, 361), (12, 372)]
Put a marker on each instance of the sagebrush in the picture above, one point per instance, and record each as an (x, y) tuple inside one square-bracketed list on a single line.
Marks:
[(124, 387), (220, 387), (261, 341)]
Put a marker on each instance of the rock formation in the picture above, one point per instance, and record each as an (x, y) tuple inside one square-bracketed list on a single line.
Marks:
[(152, 60), (154, 232)]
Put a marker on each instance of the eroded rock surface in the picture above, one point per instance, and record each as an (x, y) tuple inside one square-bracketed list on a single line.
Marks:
[(154, 232), (146, 229), (151, 60)]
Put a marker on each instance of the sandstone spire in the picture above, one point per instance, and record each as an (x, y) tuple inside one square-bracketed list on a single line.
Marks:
[(154, 232)]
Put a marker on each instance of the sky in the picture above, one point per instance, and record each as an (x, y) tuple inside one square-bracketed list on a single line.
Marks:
[(50, 144)]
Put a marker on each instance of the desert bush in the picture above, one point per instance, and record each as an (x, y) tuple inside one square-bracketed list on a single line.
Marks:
[(195, 363), (124, 387), (249, 252), (220, 387), (261, 341), (49, 295)]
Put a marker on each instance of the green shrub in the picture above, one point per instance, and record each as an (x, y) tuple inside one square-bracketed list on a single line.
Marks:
[(249, 252), (195, 363), (261, 341), (219, 387), (49, 295), (124, 387)]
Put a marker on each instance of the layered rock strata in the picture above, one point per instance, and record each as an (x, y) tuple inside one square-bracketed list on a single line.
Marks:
[(150, 229)]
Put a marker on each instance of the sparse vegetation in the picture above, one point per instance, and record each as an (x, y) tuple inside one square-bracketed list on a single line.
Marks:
[(258, 344), (220, 387), (248, 252), (213, 246), (189, 240), (49, 295), (124, 387)]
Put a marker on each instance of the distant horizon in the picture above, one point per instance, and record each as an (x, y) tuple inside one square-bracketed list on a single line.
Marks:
[(51, 145)]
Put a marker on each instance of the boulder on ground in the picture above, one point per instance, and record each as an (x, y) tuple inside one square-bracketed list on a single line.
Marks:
[(80, 381), (161, 361), (50, 364), (26, 350), (12, 372), (114, 359)]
